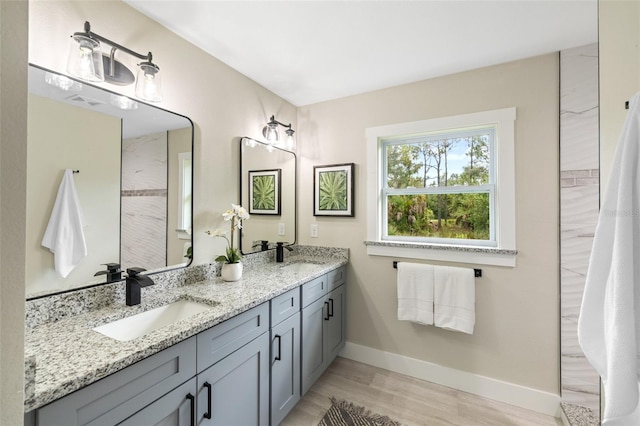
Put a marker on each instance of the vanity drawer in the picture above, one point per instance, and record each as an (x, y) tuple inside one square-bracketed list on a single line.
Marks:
[(223, 339), (337, 277), (118, 396), (313, 290), (285, 305)]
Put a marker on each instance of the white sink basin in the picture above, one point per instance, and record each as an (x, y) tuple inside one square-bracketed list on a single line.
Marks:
[(140, 324), (301, 267)]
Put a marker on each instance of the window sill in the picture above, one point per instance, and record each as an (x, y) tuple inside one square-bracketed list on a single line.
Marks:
[(448, 253), (183, 234)]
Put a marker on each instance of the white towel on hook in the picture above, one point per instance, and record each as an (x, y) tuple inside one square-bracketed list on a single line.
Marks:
[(454, 300), (415, 293), (609, 323), (64, 236)]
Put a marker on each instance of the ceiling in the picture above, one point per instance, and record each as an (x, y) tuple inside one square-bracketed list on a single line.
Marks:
[(312, 51)]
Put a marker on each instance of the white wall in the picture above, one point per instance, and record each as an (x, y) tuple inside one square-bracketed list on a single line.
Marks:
[(517, 332), (13, 174), (619, 39), (63, 136)]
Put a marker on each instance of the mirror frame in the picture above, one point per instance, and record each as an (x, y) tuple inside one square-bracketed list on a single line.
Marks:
[(154, 271), (295, 191)]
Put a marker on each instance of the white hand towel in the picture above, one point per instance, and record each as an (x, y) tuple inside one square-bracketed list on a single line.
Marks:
[(609, 323), (415, 293), (64, 236), (454, 299)]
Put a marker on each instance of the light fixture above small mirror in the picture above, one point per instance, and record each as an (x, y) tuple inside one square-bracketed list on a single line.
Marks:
[(270, 132)]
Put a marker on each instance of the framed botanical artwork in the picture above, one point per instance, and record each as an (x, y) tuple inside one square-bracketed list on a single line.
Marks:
[(264, 191), (333, 190)]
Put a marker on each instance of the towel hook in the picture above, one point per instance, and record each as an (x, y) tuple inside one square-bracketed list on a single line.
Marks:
[(476, 272)]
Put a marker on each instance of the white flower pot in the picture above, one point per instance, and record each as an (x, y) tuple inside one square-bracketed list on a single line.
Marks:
[(231, 271)]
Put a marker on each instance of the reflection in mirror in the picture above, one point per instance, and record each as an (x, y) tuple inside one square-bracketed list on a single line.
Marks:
[(268, 192), (133, 183)]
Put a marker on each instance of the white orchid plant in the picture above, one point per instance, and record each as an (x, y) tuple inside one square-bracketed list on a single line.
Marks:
[(235, 215)]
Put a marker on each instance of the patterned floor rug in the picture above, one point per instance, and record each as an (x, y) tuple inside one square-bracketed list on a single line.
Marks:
[(345, 413)]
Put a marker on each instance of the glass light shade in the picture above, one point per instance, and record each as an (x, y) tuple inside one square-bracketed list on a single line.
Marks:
[(85, 58), (148, 83), (290, 142), (270, 133)]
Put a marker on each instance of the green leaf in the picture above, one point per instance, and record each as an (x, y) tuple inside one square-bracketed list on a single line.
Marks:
[(333, 190), (264, 192)]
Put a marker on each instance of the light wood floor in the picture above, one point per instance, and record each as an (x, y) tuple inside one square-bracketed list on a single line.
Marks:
[(405, 399)]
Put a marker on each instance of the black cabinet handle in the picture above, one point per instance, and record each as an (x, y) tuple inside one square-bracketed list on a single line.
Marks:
[(192, 400), (327, 305), (278, 358), (207, 415), (331, 310)]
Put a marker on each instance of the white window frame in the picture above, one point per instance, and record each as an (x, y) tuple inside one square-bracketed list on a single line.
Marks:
[(503, 250), (185, 189)]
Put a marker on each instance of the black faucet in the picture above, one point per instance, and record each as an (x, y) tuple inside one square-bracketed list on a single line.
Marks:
[(113, 272), (134, 282), (264, 245), (280, 252)]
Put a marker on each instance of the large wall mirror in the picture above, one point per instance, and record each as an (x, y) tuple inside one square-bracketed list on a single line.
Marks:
[(133, 179), (268, 192)]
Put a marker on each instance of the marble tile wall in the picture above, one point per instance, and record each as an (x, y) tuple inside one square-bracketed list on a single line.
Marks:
[(579, 202), (144, 202)]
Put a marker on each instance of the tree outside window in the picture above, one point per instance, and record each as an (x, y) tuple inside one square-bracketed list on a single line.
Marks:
[(439, 186)]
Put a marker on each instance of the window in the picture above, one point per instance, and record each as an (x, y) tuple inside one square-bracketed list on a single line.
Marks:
[(184, 195), (443, 189)]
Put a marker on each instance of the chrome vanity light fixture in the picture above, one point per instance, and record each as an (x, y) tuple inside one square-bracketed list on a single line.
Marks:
[(270, 132), (87, 62)]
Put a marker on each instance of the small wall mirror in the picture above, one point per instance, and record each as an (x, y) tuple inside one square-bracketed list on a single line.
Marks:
[(268, 192), (134, 180)]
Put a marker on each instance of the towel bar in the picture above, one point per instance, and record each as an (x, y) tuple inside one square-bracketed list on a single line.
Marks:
[(477, 272)]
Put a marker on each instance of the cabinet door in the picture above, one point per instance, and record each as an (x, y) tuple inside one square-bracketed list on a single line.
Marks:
[(314, 352), (336, 324), (118, 396), (285, 367), (235, 390), (177, 408), (218, 342)]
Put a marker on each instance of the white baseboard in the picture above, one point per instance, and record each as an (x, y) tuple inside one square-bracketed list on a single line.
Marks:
[(531, 399)]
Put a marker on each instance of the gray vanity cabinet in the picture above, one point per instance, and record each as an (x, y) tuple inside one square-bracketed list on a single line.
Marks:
[(233, 370), (335, 325), (235, 390), (177, 408), (323, 325), (247, 370), (116, 397), (285, 354)]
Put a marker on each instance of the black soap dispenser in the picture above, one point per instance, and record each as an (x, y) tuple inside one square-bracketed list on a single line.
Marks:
[(280, 252)]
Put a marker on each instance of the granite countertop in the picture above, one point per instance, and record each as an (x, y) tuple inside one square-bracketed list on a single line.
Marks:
[(69, 354)]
